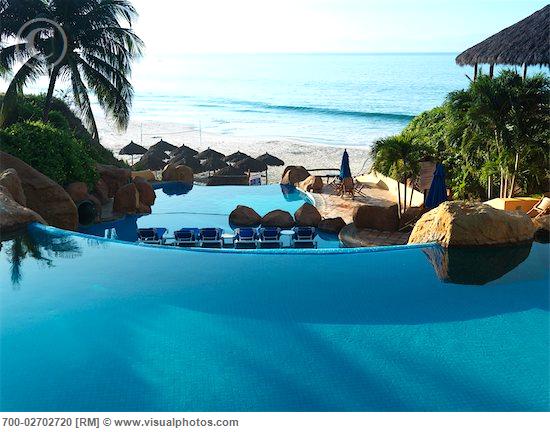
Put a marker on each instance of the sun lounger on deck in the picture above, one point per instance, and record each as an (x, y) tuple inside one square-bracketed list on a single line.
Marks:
[(270, 237), (245, 237), (304, 237), (186, 237), (211, 237), (151, 235)]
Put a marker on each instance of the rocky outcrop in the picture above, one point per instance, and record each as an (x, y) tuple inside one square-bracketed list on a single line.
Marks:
[(542, 228), (307, 215), (292, 175), (147, 194), (332, 225), (127, 200), (243, 216), (43, 195), (78, 191), (146, 175), (459, 223), (114, 178), (278, 219), (181, 173), (312, 184), (101, 192), (14, 216), (10, 180), (375, 217)]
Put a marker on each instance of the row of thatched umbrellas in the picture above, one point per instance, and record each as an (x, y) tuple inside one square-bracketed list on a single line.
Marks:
[(209, 160)]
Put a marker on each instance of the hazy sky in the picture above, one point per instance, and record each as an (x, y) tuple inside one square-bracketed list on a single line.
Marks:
[(228, 26)]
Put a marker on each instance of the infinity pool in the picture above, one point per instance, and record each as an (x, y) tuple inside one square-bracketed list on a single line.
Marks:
[(178, 205), (88, 324)]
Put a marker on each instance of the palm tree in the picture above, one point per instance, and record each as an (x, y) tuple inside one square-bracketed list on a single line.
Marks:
[(82, 41), (398, 156)]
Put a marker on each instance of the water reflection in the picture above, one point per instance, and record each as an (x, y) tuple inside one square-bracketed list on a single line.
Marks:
[(174, 188), (39, 246), (476, 266)]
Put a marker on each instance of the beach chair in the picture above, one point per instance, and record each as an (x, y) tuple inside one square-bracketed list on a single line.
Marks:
[(304, 237), (186, 237), (270, 237), (245, 238), (151, 235), (540, 209), (211, 237)]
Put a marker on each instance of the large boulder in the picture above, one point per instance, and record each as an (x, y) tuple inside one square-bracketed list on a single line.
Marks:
[(376, 217), (78, 191), (307, 215), (14, 216), (146, 175), (332, 225), (147, 194), (11, 181), (181, 173), (312, 184), (43, 195), (293, 175), (460, 223), (542, 228), (114, 178), (278, 219), (101, 191), (243, 216), (127, 200)]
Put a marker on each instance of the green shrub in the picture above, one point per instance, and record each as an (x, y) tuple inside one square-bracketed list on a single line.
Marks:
[(53, 152), (58, 121)]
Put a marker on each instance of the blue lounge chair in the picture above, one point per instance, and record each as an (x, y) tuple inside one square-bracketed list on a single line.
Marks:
[(270, 237), (186, 237), (245, 238), (211, 237), (304, 237), (151, 235)]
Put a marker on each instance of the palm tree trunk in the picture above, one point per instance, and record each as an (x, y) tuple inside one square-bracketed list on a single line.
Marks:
[(489, 179), (399, 199), (405, 196), (49, 95), (513, 181)]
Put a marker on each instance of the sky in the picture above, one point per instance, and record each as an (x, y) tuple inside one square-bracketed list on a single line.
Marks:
[(253, 26)]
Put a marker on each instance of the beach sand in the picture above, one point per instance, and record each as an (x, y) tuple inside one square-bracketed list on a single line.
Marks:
[(292, 152)]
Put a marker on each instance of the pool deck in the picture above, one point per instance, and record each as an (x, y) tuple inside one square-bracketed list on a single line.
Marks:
[(331, 206)]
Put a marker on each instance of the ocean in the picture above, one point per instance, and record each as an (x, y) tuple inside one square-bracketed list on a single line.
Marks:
[(333, 99)]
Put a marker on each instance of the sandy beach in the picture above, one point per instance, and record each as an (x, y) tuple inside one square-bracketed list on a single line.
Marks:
[(292, 152)]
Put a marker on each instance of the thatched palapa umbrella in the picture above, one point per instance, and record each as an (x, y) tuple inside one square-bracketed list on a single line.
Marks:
[(212, 164), (524, 43), (163, 146), (151, 160), (184, 151), (230, 171), (132, 149), (235, 157), (270, 160), (251, 165), (189, 161), (208, 154)]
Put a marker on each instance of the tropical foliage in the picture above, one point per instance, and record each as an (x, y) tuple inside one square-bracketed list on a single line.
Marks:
[(88, 43), (493, 136)]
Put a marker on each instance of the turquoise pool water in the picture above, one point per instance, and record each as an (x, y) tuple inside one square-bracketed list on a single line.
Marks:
[(89, 324), (177, 206)]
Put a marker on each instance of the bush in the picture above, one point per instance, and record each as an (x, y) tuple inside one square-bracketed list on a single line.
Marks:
[(54, 152)]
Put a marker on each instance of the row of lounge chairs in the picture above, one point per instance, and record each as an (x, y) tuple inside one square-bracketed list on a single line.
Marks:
[(242, 238)]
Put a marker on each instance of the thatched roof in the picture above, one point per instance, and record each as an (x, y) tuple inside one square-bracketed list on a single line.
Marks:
[(132, 149), (235, 157), (209, 153), (184, 151), (150, 160), (526, 42), (230, 171), (189, 161), (252, 165), (270, 160), (163, 146), (213, 164)]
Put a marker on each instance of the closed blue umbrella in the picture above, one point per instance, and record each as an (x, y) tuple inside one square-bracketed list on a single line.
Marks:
[(438, 190), (345, 171)]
